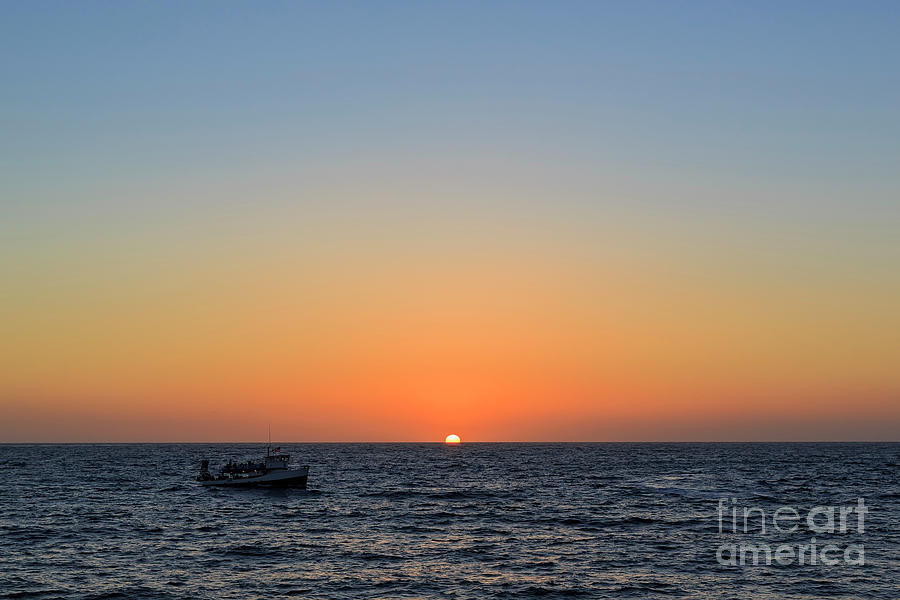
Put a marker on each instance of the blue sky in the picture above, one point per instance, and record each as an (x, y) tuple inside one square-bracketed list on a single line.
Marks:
[(729, 91)]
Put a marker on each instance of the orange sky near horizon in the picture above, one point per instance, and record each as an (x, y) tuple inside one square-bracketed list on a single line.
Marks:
[(389, 328)]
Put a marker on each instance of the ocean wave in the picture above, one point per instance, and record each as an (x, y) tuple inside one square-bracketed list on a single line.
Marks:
[(257, 550)]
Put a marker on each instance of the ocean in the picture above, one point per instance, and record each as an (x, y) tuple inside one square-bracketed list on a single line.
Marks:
[(498, 520)]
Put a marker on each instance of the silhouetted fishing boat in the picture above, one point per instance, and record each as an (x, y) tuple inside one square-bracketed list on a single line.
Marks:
[(273, 471)]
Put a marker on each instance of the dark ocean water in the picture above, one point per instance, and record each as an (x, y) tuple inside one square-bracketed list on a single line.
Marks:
[(430, 521)]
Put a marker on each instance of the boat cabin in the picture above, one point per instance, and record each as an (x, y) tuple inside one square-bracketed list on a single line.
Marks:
[(279, 461)]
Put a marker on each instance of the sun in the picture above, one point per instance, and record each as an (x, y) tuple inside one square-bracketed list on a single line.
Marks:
[(452, 439)]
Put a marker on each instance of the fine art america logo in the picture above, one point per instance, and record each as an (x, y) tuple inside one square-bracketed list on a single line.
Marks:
[(820, 520)]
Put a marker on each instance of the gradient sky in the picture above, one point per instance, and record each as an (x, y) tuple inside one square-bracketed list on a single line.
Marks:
[(397, 220)]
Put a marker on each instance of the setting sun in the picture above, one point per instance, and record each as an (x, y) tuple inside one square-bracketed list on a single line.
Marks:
[(452, 439)]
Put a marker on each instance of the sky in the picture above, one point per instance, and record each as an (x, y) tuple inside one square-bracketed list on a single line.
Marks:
[(390, 221)]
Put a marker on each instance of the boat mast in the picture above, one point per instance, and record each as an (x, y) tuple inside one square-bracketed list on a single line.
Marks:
[(269, 444)]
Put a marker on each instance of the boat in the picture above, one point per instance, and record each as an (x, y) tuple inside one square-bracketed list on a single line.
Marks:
[(273, 471)]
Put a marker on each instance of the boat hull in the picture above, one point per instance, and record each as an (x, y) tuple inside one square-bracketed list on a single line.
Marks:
[(295, 478)]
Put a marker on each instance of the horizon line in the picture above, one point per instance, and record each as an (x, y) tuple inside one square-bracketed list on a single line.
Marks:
[(85, 443)]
